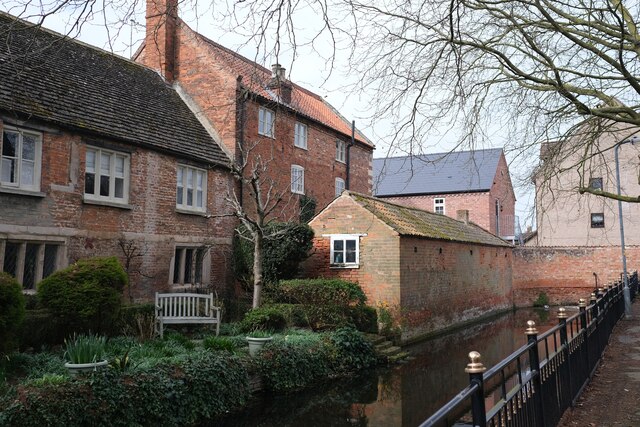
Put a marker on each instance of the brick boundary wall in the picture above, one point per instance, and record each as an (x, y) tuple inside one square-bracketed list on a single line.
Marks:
[(565, 274)]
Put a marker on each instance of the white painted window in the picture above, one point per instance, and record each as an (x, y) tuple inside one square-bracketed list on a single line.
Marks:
[(300, 137), (438, 206), (266, 119), (297, 179), (106, 176), (341, 151), (345, 250), (20, 159), (191, 188), (30, 261), (339, 186), (189, 265)]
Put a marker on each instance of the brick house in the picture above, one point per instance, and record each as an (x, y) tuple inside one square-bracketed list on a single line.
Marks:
[(476, 181), (431, 271), (99, 153), (310, 148)]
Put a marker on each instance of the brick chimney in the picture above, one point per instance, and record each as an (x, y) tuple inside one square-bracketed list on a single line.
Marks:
[(463, 215), (279, 83), (160, 39)]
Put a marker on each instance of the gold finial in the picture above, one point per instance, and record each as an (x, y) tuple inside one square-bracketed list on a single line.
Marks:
[(582, 303), (600, 290), (475, 366), (531, 328), (593, 297), (562, 313), (610, 286)]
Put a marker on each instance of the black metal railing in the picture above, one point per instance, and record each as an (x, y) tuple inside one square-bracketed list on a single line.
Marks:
[(538, 382)]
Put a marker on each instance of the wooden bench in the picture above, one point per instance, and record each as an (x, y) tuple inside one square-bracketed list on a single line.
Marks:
[(180, 309)]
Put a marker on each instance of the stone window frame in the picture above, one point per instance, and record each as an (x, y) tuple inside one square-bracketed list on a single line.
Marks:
[(297, 179), (184, 206), (340, 186), (266, 122), (37, 160), (300, 135), (439, 205), (344, 238), (190, 265), (341, 151), (39, 264), (113, 176), (595, 221)]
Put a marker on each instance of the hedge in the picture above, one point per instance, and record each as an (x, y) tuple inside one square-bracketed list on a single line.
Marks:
[(326, 292), (12, 310)]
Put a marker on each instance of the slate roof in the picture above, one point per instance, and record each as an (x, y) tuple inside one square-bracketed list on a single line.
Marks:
[(256, 78), (442, 173), (418, 223), (63, 82)]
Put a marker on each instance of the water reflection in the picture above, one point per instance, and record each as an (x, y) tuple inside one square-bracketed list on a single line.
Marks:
[(403, 395)]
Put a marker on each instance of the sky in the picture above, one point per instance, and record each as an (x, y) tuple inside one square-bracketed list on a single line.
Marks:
[(311, 68)]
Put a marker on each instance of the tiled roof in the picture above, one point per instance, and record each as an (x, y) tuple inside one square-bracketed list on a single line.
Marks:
[(46, 76), (443, 173), (415, 222), (256, 78)]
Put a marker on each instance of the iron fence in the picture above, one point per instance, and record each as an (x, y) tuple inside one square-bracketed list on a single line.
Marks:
[(538, 382)]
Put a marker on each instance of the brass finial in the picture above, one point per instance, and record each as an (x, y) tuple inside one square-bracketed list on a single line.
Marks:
[(610, 286), (475, 366), (531, 328), (600, 290), (593, 297), (562, 313), (582, 303)]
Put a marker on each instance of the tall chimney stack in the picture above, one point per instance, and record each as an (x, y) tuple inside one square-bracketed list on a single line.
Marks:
[(463, 215), (160, 39), (280, 84)]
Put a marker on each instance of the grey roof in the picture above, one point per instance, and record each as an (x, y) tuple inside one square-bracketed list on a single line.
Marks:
[(60, 81), (442, 173)]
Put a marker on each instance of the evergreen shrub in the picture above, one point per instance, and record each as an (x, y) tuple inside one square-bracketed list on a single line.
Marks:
[(12, 311), (264, 318)]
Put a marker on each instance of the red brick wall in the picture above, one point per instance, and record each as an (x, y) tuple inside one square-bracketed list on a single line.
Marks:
[(409, 276), (502, 190), (93, 230), (566, 274)]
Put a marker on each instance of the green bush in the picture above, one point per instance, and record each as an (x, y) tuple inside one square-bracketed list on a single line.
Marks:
[(542, 300), (40, 329), (11, 312), (354, 352), (263, 318), (86, 296), (329, 292), (364, 318)]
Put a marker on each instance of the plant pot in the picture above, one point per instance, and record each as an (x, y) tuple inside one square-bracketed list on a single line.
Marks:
[(83, 368), (256, 344)]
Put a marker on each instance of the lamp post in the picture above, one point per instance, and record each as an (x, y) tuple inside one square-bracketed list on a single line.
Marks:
[(625, 280)]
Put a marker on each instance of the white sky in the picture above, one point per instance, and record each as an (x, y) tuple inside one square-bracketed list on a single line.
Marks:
[(310, 69)]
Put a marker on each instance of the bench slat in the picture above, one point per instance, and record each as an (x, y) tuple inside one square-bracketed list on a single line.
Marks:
[(186, 308)]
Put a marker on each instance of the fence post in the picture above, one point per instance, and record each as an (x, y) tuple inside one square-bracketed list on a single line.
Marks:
[(534, 361), (475, 368), (594, 302), (566, 369)]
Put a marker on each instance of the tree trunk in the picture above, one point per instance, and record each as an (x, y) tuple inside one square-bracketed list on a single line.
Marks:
[(257, 269)]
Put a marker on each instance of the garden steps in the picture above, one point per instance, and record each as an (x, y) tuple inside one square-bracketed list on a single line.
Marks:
[(385, 350)]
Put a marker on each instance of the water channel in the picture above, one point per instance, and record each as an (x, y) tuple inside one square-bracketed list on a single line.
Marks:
[(402, 395)]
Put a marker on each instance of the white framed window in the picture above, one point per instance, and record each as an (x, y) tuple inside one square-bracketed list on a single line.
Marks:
[(106, 176), (191, 188), (438, 206), (189, 265), (300, 135), (341, 151), (266, 119), (20, 159), (345, 250), (339, 186), (30, 261), (297, 179)]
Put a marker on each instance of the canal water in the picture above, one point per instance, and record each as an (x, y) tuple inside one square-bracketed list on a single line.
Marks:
[(402, 395)]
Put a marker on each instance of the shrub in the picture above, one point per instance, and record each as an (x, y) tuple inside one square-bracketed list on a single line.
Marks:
[(364, 318), (266, 317), (85, 296), (138, 320), (40, 328), (542, 300), (319, 292), (354, 352), (11, 312)]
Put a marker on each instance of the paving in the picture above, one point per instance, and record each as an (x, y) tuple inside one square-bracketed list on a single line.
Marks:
[(612, 398)]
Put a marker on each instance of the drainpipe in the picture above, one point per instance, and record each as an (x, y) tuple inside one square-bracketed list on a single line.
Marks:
[(626, 292), (348, 154), (241, 120)]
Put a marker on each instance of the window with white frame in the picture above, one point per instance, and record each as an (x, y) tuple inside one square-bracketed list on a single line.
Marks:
[(188, 265), (300, 135), (297, 179), (191, 188), (438, 206), (20, 159), (341, 151), (30, 261), (106, 176), (266, 119), (339, 186), (345, 250)]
